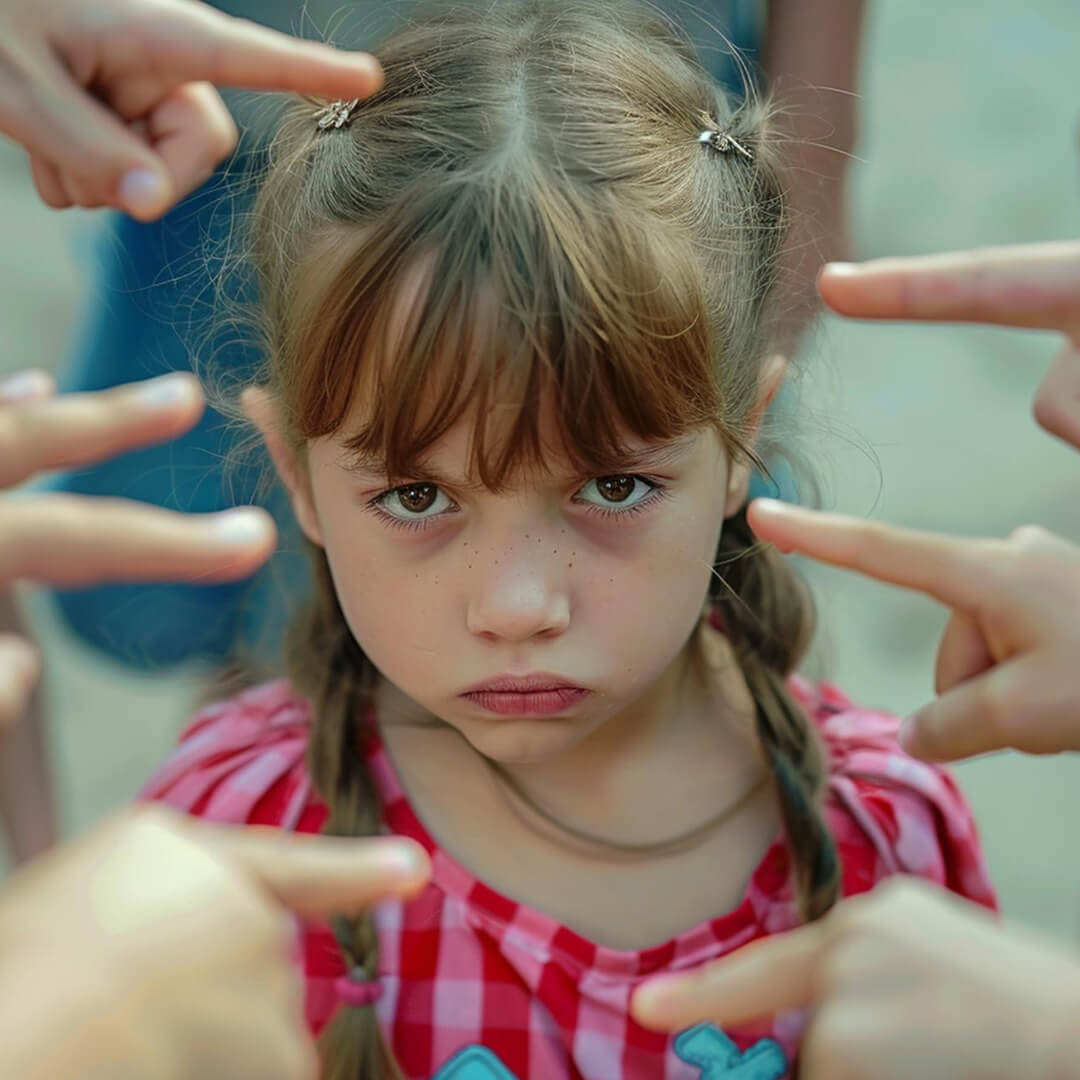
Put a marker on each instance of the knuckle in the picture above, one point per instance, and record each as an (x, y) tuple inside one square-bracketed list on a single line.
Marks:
[(864, 540)]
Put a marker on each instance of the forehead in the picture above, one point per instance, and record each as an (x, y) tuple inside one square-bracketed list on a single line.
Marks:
[(428, 360), (451, 458)]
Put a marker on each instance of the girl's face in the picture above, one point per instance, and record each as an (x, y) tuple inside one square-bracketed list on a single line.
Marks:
[(529, 618)]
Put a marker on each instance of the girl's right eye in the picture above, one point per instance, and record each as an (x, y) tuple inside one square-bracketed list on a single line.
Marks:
[(414, 504)]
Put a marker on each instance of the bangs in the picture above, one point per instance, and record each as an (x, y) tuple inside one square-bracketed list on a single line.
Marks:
[(522, 316)]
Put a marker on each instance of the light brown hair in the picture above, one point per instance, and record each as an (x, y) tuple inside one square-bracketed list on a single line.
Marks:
[(537, 166)]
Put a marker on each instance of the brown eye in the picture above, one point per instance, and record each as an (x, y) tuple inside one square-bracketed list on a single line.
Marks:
[(616, 495), (616, 489), (416, 498)]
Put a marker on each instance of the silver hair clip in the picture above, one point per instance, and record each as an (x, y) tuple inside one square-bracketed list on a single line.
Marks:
[(724, 142), (336, 115)]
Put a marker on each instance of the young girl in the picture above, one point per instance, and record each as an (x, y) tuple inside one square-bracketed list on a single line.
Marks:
[(516, 309)]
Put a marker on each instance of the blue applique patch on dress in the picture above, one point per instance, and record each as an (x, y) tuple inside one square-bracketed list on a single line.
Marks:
[(474, 1063), (718, 1058)]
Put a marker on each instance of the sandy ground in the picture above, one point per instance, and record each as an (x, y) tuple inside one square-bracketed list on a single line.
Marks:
[(970, 136)]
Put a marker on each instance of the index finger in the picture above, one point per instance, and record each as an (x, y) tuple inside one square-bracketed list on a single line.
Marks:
[(763, 978), (946, 568), (317, 876), (1031, 285), (195, 43), (79, 429)]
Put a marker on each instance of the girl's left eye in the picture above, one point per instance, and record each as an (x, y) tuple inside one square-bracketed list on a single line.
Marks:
[(413, 503), (616, 494)]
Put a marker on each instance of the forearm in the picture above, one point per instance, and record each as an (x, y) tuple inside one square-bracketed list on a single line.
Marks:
[(811, 59)]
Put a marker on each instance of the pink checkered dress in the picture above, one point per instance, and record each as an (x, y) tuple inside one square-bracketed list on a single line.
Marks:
[(478, 987)]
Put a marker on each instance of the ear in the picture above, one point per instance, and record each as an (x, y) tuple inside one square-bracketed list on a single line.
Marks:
[(261, 409), (769, 382)]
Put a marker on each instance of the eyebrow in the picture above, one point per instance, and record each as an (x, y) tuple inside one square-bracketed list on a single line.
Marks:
[(656, 457), (646, 458)]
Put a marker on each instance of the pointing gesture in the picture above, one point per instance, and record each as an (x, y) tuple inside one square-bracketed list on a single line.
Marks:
[(159, 947), (70, 540), (905, 982), (1035, 286), (1007, 663), (113, 99)]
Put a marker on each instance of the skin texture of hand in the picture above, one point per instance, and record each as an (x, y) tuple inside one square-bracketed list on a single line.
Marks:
[(114, 100), (907, 981), (158, 947), (1035, 286), (72, 540), (1006, 671)]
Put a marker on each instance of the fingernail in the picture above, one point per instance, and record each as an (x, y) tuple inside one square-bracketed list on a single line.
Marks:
[(143, 192), (841, 269), (168, 390), (26, 385), (406, 859), (244, 526), (663, 990), (764, 505)]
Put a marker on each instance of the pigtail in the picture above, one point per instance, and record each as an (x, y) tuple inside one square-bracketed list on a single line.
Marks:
[(768, 618), (329, 668)]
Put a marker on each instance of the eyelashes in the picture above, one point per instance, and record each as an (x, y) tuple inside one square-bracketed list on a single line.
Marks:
[(442, 506)]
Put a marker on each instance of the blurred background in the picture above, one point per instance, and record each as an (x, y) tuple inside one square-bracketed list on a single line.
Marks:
[(970, 114)]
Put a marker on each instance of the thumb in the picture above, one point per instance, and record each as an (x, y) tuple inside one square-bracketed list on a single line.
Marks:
[(317, 876)]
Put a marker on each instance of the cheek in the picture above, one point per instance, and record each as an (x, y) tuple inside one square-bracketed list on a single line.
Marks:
[(396, 609), (650, 599)]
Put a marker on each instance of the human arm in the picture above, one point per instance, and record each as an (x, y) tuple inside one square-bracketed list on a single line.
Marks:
[(811, 58), (906, 981), (157, 947), (114, 100)]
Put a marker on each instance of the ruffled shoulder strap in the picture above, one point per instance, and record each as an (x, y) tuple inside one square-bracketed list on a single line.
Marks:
[(913, 813), (241, 759)]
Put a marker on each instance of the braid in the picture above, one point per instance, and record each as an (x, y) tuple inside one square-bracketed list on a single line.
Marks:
[(352, 1046), (768, 618)]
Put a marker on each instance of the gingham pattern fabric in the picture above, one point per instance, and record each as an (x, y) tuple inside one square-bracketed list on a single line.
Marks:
[(478, 987)]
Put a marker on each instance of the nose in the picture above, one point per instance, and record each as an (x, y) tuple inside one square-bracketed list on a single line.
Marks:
[(518, 603)]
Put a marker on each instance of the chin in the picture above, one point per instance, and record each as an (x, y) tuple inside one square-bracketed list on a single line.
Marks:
[(523, 740)]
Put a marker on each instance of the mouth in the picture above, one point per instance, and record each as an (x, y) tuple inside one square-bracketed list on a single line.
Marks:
[(525, 695)]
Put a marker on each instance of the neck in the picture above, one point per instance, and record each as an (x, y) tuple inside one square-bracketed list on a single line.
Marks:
[(655, 771)]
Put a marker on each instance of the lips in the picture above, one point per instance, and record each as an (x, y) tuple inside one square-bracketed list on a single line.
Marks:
[(522, 684), (525, 695)]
